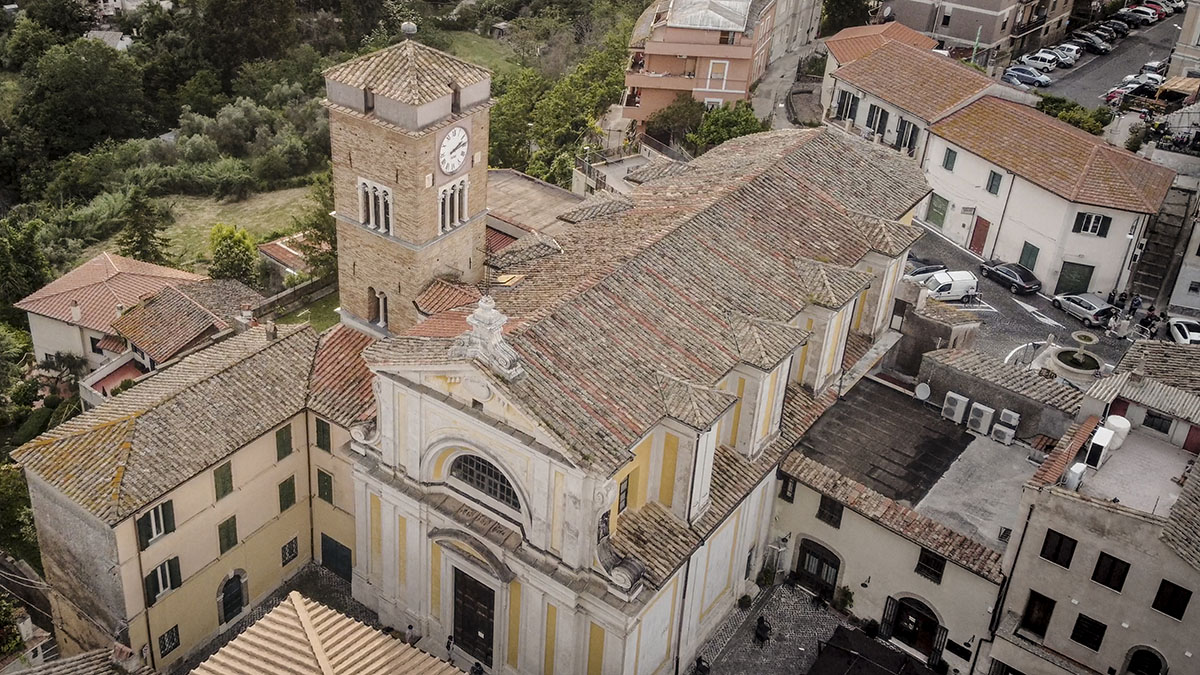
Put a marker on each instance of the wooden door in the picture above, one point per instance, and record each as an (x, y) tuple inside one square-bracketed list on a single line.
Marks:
[(1192, 443), (979, 235), (474, 617)]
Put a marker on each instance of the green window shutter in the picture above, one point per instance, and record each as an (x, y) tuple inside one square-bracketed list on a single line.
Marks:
[(151, 584), (1105, 221), (227, 534), (1079, 222), (173, 572), (323, 440), (168, 516), (287, 494), (223, 478), (143, 532), (325, 486), (283, 442)]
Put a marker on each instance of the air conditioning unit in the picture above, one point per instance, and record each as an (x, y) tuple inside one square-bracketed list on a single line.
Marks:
[(955, 407), (1074, 477), (1010, 418), (980, 420), (1003, 434), (1097, 448)]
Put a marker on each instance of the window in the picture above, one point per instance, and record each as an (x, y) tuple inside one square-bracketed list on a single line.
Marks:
[(1157, 422), (749, 563), (287, 494), (290, 550), (931, 565), (375, 206), (155, 523), (452, 204), (877, 119), (485, 477), (1110, 571), (223, 480), (946, 19), (949, 159), (96, 346), (936, 214), (1058, 548), (323, 438), (1172, 599), (830, 511), (168, 641), (1029, 256), (1092, 223), (787, 491), (227, 534), (713, 103), (1004, 23), (717, 71), (283, 441), (325, 486), (847, 107), (906, 136), (1038, 610), (1088, 632), (623, 495), (1194, 287), (162, 579), (993, 184), (726, 37)]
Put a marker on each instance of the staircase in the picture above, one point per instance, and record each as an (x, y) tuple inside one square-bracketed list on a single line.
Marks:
[(1155, 271)]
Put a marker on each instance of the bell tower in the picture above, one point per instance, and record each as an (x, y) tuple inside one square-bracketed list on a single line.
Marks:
[(408, 129)]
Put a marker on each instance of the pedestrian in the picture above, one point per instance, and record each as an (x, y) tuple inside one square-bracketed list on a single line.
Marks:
[(410, 635), (1122, 299), (477, 669), (1112, 297), (1135, 303), (450, 649), (762, 631)]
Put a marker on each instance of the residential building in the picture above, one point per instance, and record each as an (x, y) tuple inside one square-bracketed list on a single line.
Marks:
[(286, 258), (179, 319), (714, 51), (166, 512), (74, 313), (897, 91), (1183, 292), (1012, 183), (996, 30), (302, 636), (851, 44), (31, 647), (1185, 59)]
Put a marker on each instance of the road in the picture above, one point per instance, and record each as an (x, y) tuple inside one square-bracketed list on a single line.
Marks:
[(1010, 321), (1095, 75)]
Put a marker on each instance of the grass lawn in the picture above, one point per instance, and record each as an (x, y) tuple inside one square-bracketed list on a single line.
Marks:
[(320, 313), (484, 51)]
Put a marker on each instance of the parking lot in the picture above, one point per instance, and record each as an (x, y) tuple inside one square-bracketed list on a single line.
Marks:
[(1096, 74)]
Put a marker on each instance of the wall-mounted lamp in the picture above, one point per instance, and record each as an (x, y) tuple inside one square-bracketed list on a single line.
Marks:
[(969, 642), (866, 583)]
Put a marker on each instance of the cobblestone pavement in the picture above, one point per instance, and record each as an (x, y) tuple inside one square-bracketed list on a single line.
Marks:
[(798, 626), (314, 582)]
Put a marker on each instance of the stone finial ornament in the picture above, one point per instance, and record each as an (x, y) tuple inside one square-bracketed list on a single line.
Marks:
[(485, 341)]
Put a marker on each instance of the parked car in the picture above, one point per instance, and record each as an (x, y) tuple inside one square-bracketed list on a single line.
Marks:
[(1127, 15), (1103, 32), (1017, 277), (1159, 12), (1027, 75), (1065, 59), (1089, 308), (1163, 9), (1148, 15), (1120, 27), (958, 285), (1043, 62), (922, 273), (1156, 67), (1075, 51), (1177, 5), (1093, 43), (1151, 79), (1118, 92), (1184, 331)]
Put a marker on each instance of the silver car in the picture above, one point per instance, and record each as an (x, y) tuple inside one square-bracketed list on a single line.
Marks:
[(1089, 308)]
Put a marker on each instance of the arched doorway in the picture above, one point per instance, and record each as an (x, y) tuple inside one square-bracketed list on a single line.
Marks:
[(817, 568), (916, 625), (231, 596), (1145, 662)]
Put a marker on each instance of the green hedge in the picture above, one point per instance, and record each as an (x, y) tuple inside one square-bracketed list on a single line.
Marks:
[(36, 423)]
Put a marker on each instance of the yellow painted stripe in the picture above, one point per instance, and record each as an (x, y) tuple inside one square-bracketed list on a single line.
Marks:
[(551, 631), (514, 622), (770, 407), (737, 412), (858, 311), (803, 354), (402, 548), (596, 651), (666, 485), (376, 537)]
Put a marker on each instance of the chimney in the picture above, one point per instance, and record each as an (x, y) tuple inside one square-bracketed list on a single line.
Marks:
[(123, 659), (247, 310), (76, 312), (270, 330), (120, 310)]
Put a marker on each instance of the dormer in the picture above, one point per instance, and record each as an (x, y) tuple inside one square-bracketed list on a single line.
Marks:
[(765, 351), (831, 297)]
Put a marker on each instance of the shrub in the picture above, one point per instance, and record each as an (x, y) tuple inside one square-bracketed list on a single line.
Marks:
[(871, 628), (35, 424), (23, 393), (744, 602), (229, 177), (843, 598), (1138, 134), (52, 401), (198, 148), (766, 576)]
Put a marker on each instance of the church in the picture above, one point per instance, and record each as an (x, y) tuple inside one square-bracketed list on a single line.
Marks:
[(581, 405)]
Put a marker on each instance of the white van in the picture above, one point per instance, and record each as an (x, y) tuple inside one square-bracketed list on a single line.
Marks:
[(952, 285)]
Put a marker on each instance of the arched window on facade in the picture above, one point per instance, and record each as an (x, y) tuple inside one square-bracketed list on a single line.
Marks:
[(482, 475), (372, 305)]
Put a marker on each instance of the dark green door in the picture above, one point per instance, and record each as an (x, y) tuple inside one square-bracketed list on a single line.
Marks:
[(1029, 254), (336, 557), (1074, 278)]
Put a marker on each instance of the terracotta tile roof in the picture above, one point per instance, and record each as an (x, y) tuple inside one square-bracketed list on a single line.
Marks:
[(95, 662), (117, 458), (850, 44), (966, 552), (1065, 450), (497, 240), (1027, 383), (1148, 392), (1182, 529), (1169, 363), (654, 169), (101, 286), (653, 289), (180, 314), (601, 203), (402, 73), (762, 343), (112, 343), (694, 405), (287, 251), (1054, 155), (830, 285), (921, 82), (303, 637), (340, 386), (441, 295)]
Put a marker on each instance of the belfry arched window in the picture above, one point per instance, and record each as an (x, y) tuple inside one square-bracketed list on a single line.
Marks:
[(482, 475)]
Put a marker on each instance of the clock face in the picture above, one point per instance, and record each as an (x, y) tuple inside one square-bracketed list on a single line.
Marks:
[(454, 150)]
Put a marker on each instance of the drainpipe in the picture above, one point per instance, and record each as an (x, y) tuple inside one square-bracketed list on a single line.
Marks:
[(146, 606), (1000, 226)]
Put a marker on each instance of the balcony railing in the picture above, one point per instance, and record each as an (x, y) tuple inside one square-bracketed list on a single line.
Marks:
[(1036, 22)]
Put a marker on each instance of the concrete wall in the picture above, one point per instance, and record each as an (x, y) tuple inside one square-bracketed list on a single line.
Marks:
[(51, 335), (1186, 294), (1036, 417), (922, 334)]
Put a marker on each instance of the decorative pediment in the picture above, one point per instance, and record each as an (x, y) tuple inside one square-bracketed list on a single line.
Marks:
[(485, 341)]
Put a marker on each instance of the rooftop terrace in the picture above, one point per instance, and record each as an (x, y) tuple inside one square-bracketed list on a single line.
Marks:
[(1143, 474)]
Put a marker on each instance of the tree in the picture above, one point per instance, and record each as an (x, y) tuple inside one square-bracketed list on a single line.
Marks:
[(725, 122), (677, 120), (233, 253), (80, 94), (17, 536), (202, 93), (233, 32), (839, 14), (62, 368), (23, 265), (508, 135), (320, 229), (1091, 121), (27, 41), (68, 18), (141, 234)]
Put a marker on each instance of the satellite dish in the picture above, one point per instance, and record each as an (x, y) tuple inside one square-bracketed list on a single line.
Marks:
[(408, 28), (922, 392), (887, 12)]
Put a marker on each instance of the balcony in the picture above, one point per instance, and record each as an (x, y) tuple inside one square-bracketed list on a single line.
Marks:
[(652, 80), (637, 63), (1029, 26)]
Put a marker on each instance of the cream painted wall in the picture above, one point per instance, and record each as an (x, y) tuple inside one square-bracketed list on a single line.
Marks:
[(51, 335), (336, 520)]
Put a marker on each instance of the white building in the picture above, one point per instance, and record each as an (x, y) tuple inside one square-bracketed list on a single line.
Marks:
[(1012, 183), (851, 44)]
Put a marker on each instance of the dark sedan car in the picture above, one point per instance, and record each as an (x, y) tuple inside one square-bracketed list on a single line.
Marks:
[(1017, 277)]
